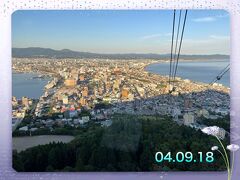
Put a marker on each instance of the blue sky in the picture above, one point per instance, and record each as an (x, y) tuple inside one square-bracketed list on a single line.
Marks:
[(118, 31)]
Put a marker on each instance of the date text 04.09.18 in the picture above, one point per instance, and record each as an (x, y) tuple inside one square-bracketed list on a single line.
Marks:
[(188, 157)]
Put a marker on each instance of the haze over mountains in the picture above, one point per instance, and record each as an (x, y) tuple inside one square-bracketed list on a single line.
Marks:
[(37, 52)]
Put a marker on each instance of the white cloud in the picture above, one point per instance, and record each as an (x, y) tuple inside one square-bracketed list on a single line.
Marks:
[(217, 37), (210, 39), (153, 36), (205, 19), (210, 18)]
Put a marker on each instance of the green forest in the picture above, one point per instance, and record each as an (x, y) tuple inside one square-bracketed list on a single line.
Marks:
[(129, 144)]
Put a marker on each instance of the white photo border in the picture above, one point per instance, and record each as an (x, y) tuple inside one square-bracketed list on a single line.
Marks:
[(7, 7)]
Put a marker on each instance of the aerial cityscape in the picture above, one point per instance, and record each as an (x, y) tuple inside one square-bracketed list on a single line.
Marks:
[(109, 113), (104, 87)]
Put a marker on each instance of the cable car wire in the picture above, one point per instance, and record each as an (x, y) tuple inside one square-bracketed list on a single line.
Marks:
[(173, 29), (220, 75), (176, 44), (180, 45)]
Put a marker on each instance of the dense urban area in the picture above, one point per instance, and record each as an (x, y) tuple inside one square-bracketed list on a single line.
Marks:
[(119, 108)]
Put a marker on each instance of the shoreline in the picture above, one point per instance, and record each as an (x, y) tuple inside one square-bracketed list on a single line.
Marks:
[(44, 76)]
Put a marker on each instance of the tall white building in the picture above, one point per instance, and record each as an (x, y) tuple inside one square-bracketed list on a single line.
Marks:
[(188, 118)]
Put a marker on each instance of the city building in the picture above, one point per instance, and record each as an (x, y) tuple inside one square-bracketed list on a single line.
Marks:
[(65, 99), (85, 92), (81, 77), (124, 93), (25, 101), (188, 118), (70, 82)]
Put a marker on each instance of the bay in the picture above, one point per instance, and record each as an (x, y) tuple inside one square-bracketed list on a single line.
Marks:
[(24, 84), (202, 71)]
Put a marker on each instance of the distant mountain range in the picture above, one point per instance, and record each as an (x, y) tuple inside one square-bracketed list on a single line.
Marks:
[(37, 52)]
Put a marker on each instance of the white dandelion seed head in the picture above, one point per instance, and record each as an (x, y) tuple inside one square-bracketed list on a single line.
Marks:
[(211, 130), (233, 147), (214, 148)]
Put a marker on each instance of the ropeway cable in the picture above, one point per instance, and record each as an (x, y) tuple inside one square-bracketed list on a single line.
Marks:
[(174, 61), (173, 30), (220, 75)]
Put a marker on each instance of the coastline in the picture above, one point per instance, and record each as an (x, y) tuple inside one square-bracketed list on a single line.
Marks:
[(37, 73)]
